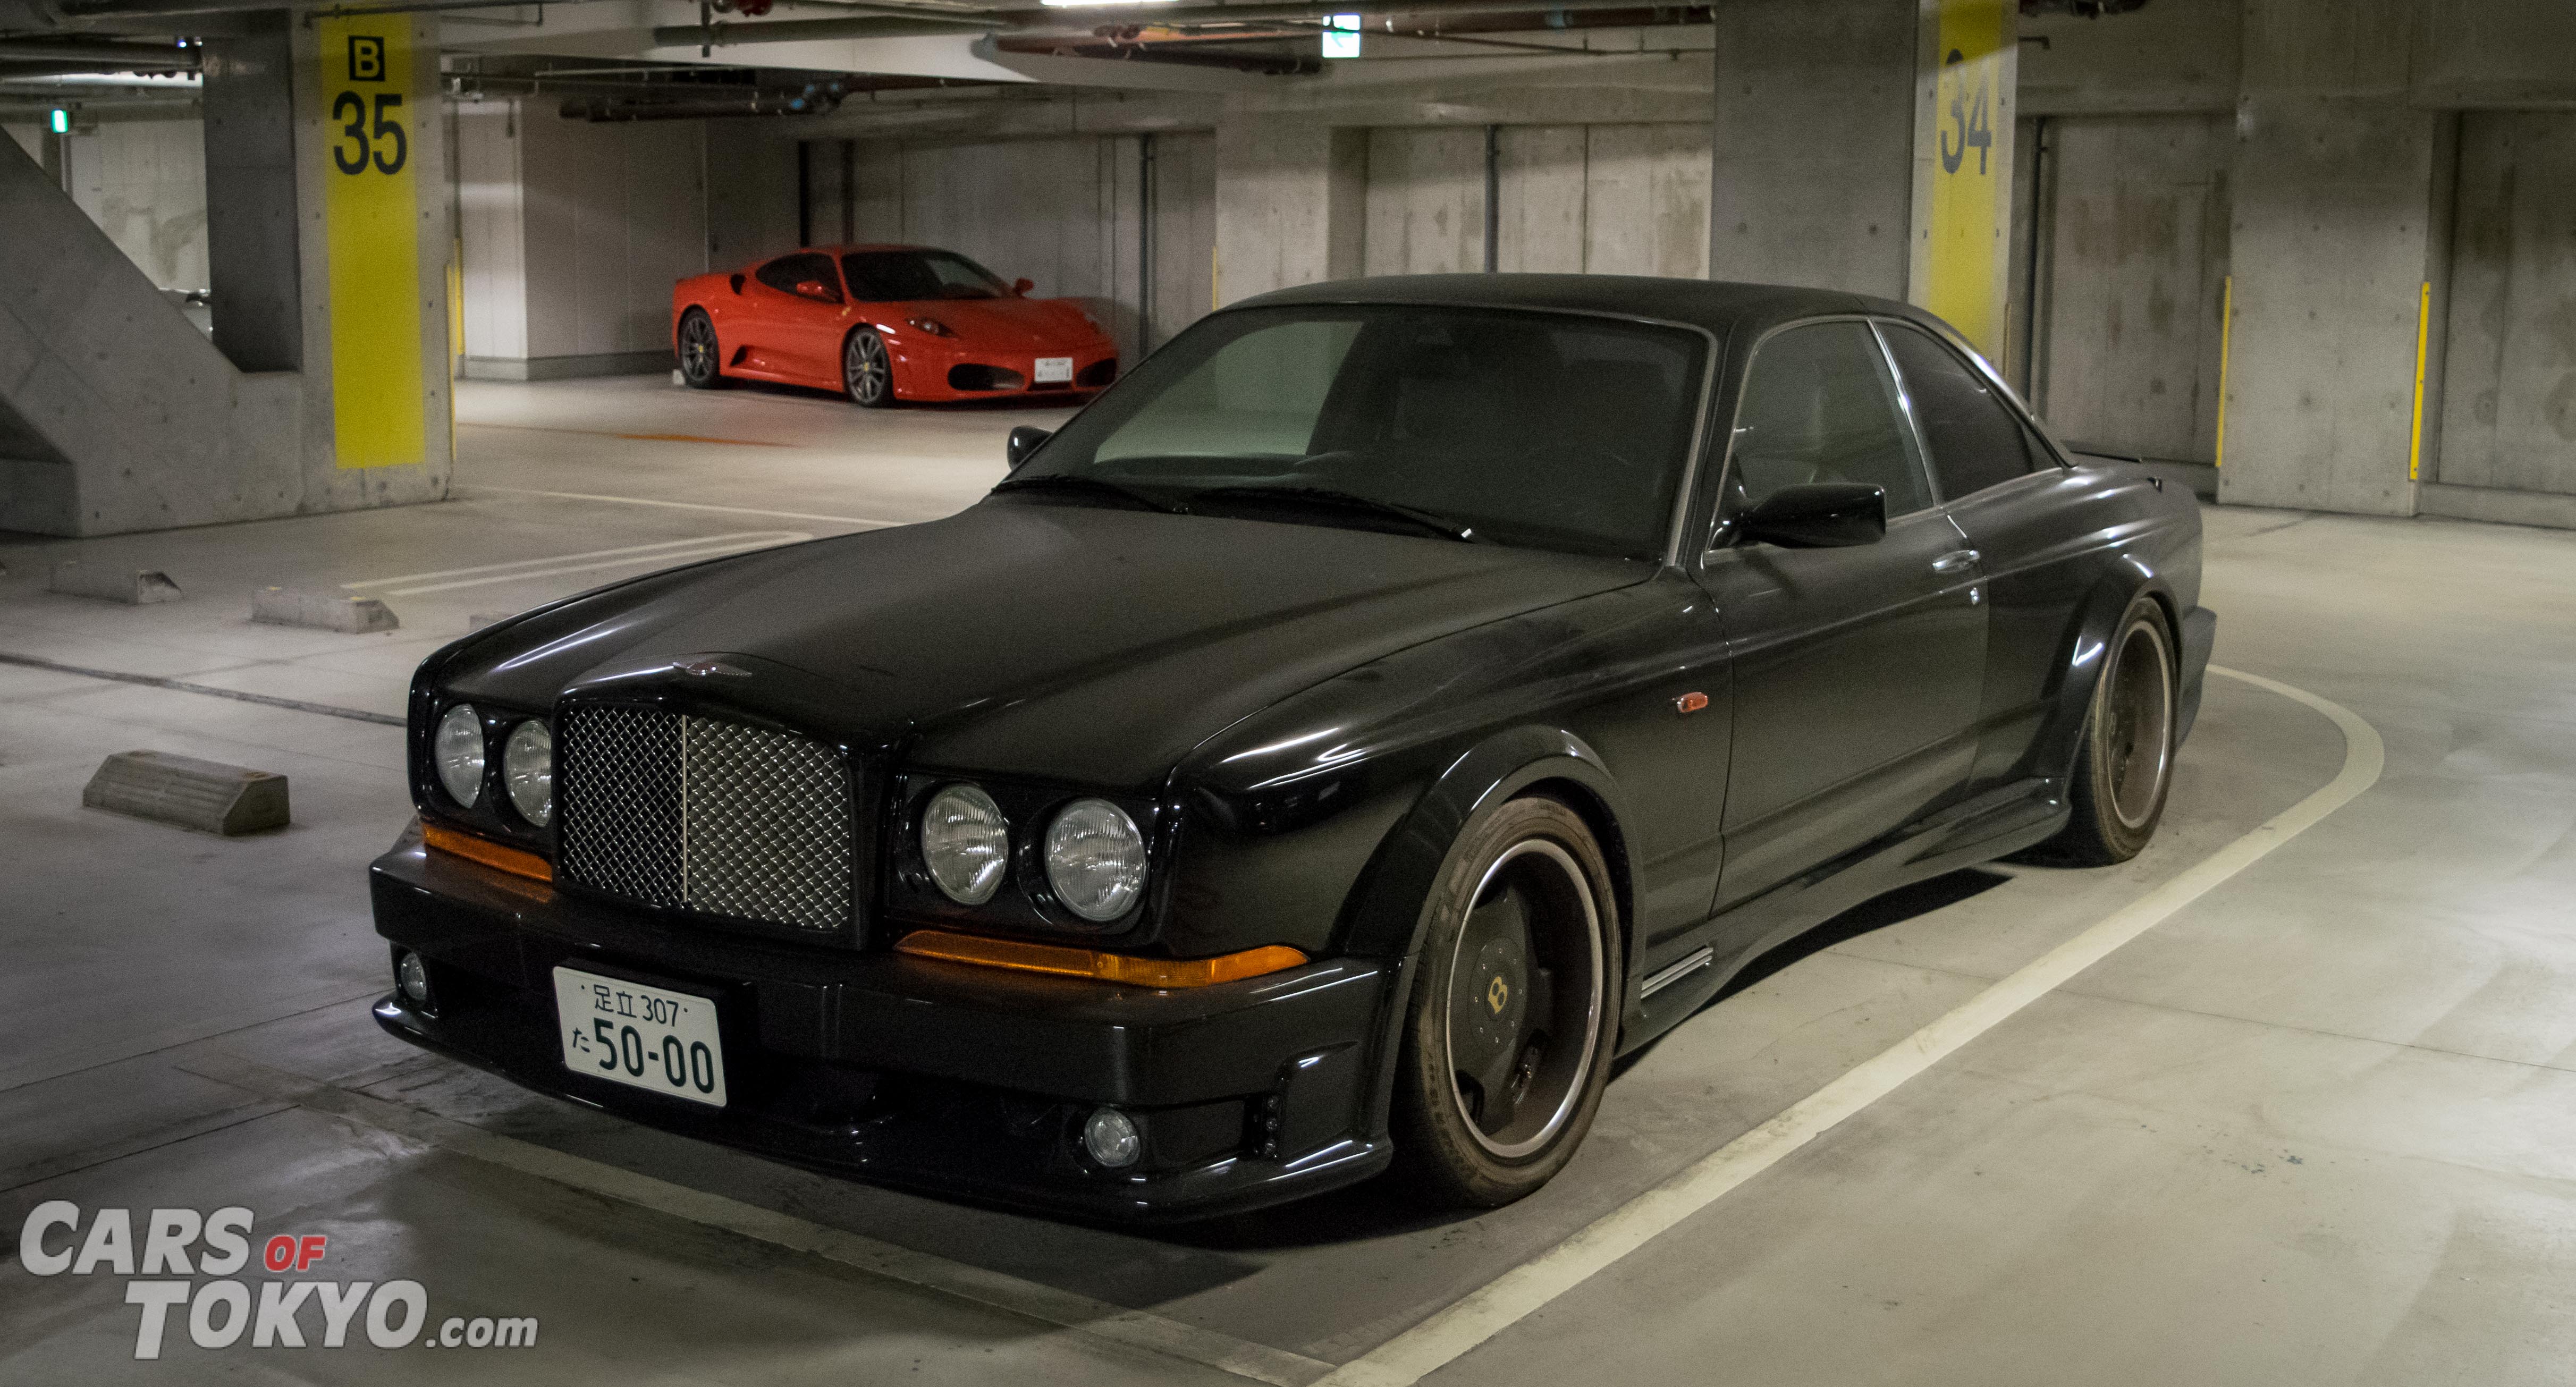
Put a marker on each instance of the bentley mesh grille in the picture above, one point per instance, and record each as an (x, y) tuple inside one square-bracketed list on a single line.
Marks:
[(714, 816)]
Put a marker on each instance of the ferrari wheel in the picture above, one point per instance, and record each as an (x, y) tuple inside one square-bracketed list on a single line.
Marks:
[(865, 371), (701, 360), (1514, 1012), (2125, 764)]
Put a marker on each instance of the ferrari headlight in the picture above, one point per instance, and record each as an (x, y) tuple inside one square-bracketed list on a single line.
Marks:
[(456, 749), (966, 843), (1095, 859), (528, 769)]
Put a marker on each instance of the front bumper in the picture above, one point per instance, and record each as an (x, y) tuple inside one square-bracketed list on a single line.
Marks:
[(914, 1072)]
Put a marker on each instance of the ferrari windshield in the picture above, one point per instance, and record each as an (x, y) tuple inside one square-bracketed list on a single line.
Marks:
[(892, 276), (1548, 430)]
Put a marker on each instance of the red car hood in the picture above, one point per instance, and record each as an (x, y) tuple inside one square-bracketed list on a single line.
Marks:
[(1027, 323)]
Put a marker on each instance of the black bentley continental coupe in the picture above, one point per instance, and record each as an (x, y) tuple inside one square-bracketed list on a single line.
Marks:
[(1358, 727)]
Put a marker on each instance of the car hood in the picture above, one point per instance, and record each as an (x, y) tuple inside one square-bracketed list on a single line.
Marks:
[(1027, 636), (1001, 321)]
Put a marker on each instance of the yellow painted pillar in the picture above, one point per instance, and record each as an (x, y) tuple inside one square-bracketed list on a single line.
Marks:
[(1963, 151), (372, 232)]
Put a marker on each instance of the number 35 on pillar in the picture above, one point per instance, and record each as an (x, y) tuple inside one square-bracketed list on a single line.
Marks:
[(371, 209)]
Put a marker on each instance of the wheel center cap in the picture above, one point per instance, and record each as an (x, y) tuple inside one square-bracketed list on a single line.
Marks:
[(1497, 993)]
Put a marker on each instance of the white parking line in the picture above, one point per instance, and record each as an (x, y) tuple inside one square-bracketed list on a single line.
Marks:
[(686, 551), (781, 536), (467, 493), (1511, 1297), (1135, 1329)]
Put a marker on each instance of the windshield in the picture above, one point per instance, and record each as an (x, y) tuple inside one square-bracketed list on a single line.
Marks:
[(891, 276), (1548, 430)]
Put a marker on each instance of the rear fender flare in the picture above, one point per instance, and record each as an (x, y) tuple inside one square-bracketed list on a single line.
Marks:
[(2096, 619)]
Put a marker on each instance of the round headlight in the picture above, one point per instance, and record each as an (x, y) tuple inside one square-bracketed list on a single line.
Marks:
[(528, 769), (1095, 859), (457, 750), (966, 843)]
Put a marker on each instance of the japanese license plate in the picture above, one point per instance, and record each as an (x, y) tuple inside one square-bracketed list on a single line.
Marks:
[(643, 1037), (1055, 370)]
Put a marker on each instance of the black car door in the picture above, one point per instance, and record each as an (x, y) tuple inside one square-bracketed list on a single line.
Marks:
[(2024, 514), (1857, 670)]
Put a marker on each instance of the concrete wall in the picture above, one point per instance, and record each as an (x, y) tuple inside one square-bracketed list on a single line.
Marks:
[(1615, 198), (573, 233), (2510, 419), (1068, 213), (2137, 228), (144, 183)]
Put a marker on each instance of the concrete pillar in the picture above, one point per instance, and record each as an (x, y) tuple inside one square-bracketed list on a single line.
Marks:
[(2334, 240), (1867, 145), (254, 262), (1291, 205), (1813, 145)]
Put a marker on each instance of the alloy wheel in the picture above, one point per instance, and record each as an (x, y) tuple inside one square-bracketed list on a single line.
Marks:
[(2138, 740), (1526, 988), (865, 370)]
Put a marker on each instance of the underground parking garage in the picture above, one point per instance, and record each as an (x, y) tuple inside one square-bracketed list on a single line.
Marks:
[(786, 691)]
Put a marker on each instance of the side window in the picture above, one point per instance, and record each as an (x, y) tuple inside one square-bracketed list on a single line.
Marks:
[(787, 271), (1975, 439), (1819, 406)]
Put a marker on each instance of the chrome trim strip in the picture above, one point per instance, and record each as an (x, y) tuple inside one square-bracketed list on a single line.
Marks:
[(1662, 978)]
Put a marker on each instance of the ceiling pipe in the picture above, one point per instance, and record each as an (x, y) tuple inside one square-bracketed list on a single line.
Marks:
[(96, 55), (1082, 18), (870, 26)]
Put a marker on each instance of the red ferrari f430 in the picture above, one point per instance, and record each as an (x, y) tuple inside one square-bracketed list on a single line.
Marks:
[(885, 323)]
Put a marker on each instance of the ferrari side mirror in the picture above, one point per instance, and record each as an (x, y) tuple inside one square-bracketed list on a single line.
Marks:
[(1024, 441), (1022, 286), (817, 289), (1819, 515)]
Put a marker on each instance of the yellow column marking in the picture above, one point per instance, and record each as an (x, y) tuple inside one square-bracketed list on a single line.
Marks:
[(2226, 330), (1969, 120), (372, 231), (2423, 335)]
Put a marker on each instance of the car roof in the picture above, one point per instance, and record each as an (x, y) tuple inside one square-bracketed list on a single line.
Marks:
[(1720, 306), (857, 246)]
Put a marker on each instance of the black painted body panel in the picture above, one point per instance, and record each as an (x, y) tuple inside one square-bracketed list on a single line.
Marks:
[(1303, 716)]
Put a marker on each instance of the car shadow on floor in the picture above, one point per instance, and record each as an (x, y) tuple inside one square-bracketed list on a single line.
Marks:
[(1384, 1206), (992, 405)]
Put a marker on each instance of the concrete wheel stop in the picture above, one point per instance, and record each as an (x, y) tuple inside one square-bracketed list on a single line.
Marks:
[(321, 610), (207, 796), (134, 587)]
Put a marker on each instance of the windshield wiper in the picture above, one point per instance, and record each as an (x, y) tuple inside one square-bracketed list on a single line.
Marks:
[(1327, 498), (1067, 481)]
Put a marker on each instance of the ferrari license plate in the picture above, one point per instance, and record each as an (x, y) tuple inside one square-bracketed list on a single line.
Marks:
[(1055, 370), (644, 1037)]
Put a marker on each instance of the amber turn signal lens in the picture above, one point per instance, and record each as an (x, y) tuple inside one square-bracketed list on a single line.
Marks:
[(487, 852), (1091, 963)]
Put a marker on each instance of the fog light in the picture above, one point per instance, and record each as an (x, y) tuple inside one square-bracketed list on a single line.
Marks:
[(1110, 1137), (411, 976)]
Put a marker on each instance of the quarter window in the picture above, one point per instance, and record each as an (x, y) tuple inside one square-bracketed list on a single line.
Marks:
[(787, 271), (1820, 406), (1975, 439)]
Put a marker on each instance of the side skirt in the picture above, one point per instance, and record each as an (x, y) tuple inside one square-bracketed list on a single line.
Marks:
[(1996, 824)]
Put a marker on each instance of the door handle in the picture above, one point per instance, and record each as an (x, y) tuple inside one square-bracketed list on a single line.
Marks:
[(1955, 560)]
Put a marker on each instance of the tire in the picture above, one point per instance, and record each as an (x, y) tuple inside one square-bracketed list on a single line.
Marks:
[(1514, 1015), (701, 359), (2124, 765), (867, 373)]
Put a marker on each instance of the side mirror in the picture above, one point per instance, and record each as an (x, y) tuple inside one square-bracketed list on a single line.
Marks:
[(1024, 441), (1819, 515), (1022, 286), (817, 289)]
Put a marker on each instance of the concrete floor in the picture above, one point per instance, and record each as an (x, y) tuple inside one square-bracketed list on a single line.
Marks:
[(2319, 1126)]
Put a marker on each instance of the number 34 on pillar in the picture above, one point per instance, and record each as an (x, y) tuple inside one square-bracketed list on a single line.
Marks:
[(371, 206)]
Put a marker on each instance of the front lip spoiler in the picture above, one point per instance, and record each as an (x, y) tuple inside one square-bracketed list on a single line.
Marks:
[(925, 1161)]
